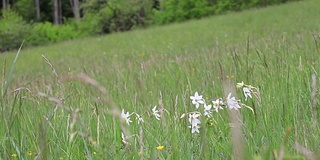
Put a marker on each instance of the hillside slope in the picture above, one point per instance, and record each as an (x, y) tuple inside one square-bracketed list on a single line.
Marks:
[(292, 19)]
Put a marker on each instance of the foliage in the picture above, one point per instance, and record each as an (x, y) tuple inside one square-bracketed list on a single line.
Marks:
[(13, 30), (119, 15), (44, 33), (26, 8), (181, 10), (100, 17), (88, 25), (23, 7)]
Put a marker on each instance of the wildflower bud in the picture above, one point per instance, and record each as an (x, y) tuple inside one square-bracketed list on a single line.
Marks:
[(240, 85)]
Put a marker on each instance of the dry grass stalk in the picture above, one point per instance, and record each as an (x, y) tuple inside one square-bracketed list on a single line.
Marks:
[(236, 135), (49, 122), (98, 129), (43, 144), (73, 131), (4, 73), (236, 122), (161, 110), (56, 101), (86, 79), (74, 115), (305, 152), (52, 68), (314, 108), (75, 119), (81, 77), (176, 108), (282, 148), (21, 88), (141, 138)]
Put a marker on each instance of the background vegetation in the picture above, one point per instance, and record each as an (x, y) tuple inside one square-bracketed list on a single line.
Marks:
[(275, 49), (51, 21)]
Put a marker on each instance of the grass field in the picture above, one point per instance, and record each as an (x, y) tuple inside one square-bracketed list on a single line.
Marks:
[(64, 101)]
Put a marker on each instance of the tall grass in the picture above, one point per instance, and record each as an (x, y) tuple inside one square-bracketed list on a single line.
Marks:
[(66, 99)]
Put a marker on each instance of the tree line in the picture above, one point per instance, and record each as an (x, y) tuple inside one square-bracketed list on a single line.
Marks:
[(41, 22)]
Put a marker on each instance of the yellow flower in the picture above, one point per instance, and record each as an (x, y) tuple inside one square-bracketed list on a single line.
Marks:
[(94, 153), (29, 153), (160, 148), (14, 155), (94, 143)]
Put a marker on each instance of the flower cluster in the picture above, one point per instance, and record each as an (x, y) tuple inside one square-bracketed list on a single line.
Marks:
[(248, 90), (197, 100), (230, 102), (204, 111), (195, 122), (125, 117)]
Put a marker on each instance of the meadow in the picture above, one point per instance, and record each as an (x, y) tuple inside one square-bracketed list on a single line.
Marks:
[(133, 95)]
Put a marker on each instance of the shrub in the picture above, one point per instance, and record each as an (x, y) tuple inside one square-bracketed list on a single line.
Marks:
[(118, 15), (88, 25), (13, 30), (181, 10), (44, 33)]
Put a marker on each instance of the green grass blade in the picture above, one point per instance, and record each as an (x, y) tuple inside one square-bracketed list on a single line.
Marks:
[(11, 71), (17, 149)]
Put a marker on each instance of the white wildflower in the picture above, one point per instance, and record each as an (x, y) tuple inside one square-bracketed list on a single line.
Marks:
[(232, 102), (246, 92), (126, 117), (207, 110), (217, 104), (155, 112), (123, 139), (197, 99), (194, 127), (193, 118), (139, 118)]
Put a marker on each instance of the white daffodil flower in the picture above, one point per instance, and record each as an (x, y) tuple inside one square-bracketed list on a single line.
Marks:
[(123, 139), (217, 104), (193, 118), (207, 110), (195, 127), (197, 99), (126, 117), (232, 102), (139, 118), (247, 93), (155, 112)]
